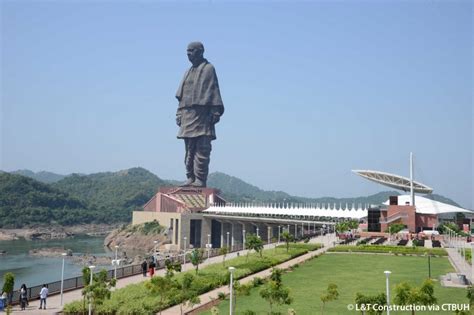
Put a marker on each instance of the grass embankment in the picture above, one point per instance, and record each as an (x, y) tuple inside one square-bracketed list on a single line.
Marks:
[(136, 298), (352, 273), (402, 250)]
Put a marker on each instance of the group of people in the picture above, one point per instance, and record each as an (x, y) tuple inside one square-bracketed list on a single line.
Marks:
[(23, 297), (148, 267)]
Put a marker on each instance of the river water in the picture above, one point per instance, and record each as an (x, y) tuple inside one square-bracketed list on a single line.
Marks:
[(33, 270)]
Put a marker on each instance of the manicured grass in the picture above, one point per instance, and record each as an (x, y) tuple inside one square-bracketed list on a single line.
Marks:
[(136, 299), (352, 273)]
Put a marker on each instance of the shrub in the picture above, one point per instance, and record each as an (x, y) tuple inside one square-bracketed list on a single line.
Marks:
[(221, 296), (257, 281)]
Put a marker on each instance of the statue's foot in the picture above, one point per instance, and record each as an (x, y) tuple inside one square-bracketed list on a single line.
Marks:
[(198, 183), (189, 182)]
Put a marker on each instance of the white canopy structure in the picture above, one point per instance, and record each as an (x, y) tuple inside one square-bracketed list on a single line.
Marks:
[(298, 210), (428, 206)]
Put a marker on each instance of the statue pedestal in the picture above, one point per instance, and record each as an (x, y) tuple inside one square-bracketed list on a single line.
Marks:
[(195, 198)]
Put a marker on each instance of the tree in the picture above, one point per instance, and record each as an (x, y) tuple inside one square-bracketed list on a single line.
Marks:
[(331, 294), (252, 241), (363, 302), (196, 258), (100, 288), (341, 227), (239, 290), (223, 251), (171, 267), (8, 285), (287, 238), (408, 295), (395, 228), (164, 287), (274, 291), (187, 294)]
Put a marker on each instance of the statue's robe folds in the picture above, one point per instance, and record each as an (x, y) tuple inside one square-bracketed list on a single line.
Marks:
[(199, 99)]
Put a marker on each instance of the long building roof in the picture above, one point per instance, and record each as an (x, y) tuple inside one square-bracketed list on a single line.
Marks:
[(288, 210)]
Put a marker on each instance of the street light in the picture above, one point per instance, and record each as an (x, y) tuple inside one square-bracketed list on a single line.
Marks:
[(243, 238), (231, 270), (227, 243), (387, 274), (115, 263), (258, 234), (279, 234), (62, 278), (91, 268), (208, 245), (472, 262), (184, 253)]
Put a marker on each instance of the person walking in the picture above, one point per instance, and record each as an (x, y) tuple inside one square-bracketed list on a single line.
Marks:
[(144, 267), (152, 266), (23, 297), (43, 295)]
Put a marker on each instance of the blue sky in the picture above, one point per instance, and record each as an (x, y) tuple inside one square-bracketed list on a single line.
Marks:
[(311, 90)]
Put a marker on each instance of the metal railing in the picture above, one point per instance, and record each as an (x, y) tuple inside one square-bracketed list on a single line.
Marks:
[(123, 272)]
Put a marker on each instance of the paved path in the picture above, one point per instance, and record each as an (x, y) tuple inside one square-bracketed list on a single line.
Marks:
[(459, 263), (54, 301), (212, 295)]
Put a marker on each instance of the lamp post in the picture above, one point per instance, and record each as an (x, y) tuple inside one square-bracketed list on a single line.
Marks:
[(62, 278), (115, 262), (387, 274), (184, 251), (472, 262), (231, 270), (208, 245), (91, 268), (279, 227), (227, 241), (243, 238), (258, 234)]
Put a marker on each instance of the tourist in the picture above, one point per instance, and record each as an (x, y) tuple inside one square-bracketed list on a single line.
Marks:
[(43, 295), (152, 268), (144, 267), (23, 297), (3, 300)]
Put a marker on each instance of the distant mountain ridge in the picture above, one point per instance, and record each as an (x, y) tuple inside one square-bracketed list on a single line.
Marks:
[(42, 176), (112, 196)]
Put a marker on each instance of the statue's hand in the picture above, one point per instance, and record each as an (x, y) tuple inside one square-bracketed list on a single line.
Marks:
[(215, 118), (178, 121)]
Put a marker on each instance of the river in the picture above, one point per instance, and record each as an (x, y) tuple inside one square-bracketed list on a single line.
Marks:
[(33, 270)]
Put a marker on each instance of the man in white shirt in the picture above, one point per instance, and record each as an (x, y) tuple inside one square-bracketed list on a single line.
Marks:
[(43, 295)]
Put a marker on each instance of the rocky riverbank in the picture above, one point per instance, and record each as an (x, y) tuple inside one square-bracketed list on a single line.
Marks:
[(138, 238), (56, 232)]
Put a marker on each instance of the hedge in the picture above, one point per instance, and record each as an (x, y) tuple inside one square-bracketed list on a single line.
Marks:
[(390, 249)]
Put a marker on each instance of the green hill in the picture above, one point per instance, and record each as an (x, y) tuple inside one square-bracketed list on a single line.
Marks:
[(27, 202), (116, 192), (111, 197)]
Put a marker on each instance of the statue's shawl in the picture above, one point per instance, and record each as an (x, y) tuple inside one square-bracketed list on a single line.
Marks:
[(206, 87)]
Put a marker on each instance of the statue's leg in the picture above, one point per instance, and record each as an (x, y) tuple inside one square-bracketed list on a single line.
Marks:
[(190, 146), (201, 160)]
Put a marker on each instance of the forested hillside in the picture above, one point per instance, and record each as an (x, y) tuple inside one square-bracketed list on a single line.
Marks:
[(27, 202), (111, 197)]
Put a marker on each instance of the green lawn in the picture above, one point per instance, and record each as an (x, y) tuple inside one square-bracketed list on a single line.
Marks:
[(352, 273)]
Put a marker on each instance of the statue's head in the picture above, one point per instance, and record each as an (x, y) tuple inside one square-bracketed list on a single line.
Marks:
[(195, 51)]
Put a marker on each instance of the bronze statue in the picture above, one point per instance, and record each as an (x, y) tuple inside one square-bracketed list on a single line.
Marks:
[(200, 108)]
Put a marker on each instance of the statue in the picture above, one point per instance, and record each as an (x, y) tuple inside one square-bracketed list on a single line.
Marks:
[(200, 108)]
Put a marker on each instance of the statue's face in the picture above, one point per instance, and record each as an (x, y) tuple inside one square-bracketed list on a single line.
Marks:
[(194, 54)]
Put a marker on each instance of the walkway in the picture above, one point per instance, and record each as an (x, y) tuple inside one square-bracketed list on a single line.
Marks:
[(213, 295), (54, 302), (459, 263)]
